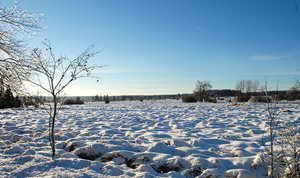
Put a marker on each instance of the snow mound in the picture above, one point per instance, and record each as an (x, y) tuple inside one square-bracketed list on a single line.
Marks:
[(166, 149), (239, 173), (90, 152)]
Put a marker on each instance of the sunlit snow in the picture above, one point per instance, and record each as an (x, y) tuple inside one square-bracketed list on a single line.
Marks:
[(140, 139)]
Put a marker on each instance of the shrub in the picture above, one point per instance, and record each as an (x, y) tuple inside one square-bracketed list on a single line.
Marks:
[(35, 101), (73, 101), (189, 99), (280, 97), (242, 98), (212, 100), (260, 99), (293, 96)]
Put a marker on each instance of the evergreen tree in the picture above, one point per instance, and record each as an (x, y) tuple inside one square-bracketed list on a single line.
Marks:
[(7, 99), (106, 99), (96, 98)]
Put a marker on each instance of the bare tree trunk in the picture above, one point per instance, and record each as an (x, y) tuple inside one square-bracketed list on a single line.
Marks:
[(53, 125), (49, 130)]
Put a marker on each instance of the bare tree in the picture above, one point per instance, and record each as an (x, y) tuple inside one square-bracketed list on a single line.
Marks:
[(255, 85), (53, 74), (13, 23), (202, 90), (240, 86), (249, 86)]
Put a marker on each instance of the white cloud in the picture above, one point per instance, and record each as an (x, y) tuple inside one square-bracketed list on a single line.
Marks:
[(275, 57), (263, 57), (199, 28), (119, 70)]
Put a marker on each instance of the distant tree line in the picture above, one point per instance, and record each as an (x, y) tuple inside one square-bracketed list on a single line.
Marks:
[(251, 90), (98, 98), (246, 90)]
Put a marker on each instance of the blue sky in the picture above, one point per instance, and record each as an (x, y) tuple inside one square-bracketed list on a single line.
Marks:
[(165, 46)]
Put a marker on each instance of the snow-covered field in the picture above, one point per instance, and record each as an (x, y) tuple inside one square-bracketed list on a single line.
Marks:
[(140, 139)]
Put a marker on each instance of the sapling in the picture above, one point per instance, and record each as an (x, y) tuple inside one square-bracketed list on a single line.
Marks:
[(284, 161), (53, 74), (272, 115)]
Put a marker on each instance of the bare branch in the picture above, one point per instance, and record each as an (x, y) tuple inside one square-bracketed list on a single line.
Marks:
[(13, 23)]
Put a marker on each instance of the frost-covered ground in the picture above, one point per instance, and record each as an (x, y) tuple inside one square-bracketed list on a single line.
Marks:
[(140, 139)]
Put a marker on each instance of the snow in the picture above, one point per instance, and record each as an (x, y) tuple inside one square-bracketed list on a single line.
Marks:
[(140, 139)]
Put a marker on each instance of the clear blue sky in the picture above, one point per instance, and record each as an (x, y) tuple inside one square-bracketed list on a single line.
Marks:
[(165, 46)]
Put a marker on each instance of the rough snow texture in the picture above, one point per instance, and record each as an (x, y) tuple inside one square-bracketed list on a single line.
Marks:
[(139, 139)]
